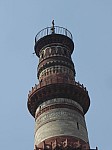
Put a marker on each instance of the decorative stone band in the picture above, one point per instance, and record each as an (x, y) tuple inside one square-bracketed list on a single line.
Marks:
[(57, 106), (58, 103), (63, 143), (54, 50), (60, 122), (56, 70), (55, 62)]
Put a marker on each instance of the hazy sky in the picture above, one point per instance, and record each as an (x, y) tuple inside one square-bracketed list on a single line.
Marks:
[(90, 22)]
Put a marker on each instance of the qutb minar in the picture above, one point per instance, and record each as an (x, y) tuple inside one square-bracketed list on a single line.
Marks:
[(58, 103)]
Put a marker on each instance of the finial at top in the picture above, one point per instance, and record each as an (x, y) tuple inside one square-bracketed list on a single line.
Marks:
[(53, 22), (52, 27)]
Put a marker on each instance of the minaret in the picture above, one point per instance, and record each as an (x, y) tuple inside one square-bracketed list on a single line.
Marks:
[(58, 103)]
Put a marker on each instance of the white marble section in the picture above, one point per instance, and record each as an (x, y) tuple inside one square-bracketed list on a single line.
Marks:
[(60, 122)]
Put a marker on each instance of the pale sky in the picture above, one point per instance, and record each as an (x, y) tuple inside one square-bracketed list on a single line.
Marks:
[(90, 22)]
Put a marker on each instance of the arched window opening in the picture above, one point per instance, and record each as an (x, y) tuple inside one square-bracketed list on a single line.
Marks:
[(42, 56)]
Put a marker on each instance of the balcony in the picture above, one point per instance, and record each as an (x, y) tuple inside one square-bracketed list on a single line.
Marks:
[(55, 30)]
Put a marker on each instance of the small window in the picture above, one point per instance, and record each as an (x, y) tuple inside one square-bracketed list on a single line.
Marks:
[(77, 125)]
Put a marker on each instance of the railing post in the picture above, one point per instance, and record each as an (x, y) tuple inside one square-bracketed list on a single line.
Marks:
[(47, 30), (66, 32)]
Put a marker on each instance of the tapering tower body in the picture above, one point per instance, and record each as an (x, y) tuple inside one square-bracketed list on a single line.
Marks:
[(58, 103)]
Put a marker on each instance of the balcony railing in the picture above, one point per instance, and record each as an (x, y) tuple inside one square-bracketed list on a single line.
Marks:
[(56, 30), (41, 84)]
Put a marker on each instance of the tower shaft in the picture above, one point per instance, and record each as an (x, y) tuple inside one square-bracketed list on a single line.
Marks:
[(58, 103)]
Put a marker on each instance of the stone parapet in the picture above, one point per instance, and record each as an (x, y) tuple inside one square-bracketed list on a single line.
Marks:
[(52, 81)]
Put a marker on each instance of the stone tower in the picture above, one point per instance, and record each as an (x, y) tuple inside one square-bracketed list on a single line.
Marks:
[(58, 103)]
